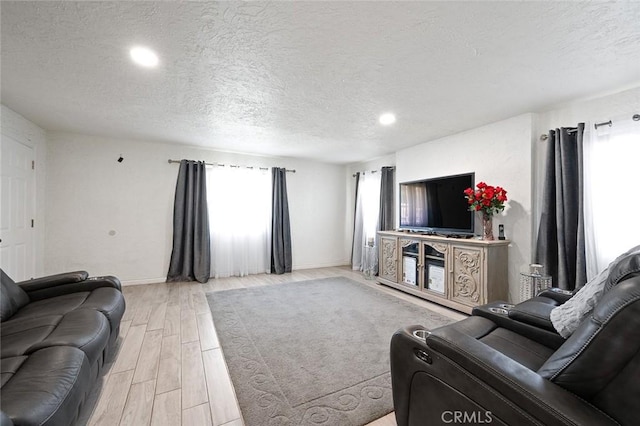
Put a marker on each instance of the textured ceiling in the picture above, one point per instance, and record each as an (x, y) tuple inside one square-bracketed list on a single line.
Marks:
[(308, 79)]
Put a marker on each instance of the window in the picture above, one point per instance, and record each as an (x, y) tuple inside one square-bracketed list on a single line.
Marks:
[(239, 203), (612, 200)]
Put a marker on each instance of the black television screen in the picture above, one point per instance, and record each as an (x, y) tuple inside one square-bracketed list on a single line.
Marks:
[(437, 205)]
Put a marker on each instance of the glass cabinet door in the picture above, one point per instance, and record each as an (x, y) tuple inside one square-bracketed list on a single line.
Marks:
[(434, 273), (410, 262)]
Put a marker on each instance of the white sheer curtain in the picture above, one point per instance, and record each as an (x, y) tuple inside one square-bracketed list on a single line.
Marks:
[(366, 223), (612, 201), (239, 202)]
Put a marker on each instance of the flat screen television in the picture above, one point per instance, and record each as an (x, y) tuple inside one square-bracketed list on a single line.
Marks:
[(437, 205)]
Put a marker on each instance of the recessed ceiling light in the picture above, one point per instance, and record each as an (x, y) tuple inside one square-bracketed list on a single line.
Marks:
[(144, 56), (387, 119)]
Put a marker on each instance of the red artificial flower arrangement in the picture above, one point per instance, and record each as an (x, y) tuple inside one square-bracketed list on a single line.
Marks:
[(488, 199)]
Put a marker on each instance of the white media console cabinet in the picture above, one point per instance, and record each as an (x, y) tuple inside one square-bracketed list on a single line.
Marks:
[(454, 272)]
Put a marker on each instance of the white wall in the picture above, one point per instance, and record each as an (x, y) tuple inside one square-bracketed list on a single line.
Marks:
[(499, 154), (90, 194), (593, 110), (22, 130)]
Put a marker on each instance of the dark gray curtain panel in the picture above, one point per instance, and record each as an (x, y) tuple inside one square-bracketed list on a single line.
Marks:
[(561, 240), (191, 254), (280, 226), (355, 213), (387, 199)]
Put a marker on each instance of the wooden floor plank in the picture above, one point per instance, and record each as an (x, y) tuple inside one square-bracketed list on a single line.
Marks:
[(198, 415), (173, 294), (207, 332), (199, 302), (157, 316), (388, 420), (222, 398), (236, 422), (124, 328), (194, 387), (172, 320), (147, 367), (139, 406), (128, 355), (185, 295), (167, 409), (188, 326), (142, 314), (170, 367), (112, 400)]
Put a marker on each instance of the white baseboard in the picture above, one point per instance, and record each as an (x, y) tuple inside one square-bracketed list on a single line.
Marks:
[(147, 281), (294, 267), (319, 265)]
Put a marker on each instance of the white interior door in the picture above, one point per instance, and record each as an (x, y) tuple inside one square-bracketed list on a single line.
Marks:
[(17, 256)]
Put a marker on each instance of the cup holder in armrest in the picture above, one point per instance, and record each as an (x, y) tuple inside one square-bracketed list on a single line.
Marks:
[(506, 306), (501, 311), (421, 334)]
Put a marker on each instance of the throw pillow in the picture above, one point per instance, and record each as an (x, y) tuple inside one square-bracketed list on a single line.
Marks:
[(568, 316)]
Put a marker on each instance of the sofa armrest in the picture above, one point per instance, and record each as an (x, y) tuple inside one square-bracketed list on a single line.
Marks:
[(53, 280), (43, 291), (557, 294), (541, 398), (534, 313), (543, 336)]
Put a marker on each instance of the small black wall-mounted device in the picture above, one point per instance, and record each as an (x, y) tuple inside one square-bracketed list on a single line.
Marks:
[(120, 159), (501, 232)]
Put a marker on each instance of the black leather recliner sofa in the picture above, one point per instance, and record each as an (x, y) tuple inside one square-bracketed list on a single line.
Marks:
[(504, 371), (55, 336)]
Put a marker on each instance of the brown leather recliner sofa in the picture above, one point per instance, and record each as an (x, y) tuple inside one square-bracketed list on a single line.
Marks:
[(55, 336), (491, 368)]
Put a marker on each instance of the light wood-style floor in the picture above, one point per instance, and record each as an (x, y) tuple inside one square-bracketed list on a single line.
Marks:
[(170, 370)]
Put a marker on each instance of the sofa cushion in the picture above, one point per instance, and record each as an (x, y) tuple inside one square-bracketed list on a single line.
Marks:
[(12, 297), (48, 388), (85, 329), (110, 302), (59, 305), (9, 367), (18, 335), (517, 347)]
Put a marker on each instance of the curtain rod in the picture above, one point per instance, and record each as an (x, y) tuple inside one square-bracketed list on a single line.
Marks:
[(373, 171), (634, 117), (544, 137), (233, 166)]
